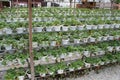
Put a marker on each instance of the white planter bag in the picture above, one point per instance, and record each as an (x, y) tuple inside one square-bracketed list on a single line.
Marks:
[(20, 77), (49, 29), (38, 29), (60, 71), (65, 42), (64, 28), (86, 53), (20, 30), (57, 28)]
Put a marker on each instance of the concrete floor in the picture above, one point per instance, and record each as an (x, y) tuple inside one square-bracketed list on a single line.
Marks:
[(110, 73)]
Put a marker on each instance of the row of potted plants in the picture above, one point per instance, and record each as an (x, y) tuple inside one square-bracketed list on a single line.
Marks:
[(61, 54), (55, 26), (58, 39), (61, 68)]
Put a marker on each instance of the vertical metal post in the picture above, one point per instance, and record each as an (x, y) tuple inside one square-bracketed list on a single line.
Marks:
[(30, 40)]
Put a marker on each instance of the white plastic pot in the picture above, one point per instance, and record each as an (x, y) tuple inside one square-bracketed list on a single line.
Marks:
[(62, 56), (71, 69), (72, 28), (110, 49), (117, 48), (64, 28), (91, 39), (65, 41), (112, 26), (76, 41), (51, 73), (85, 40), (60, 71), (57, 28), (100, 39), (38, 29), (8, 47), (80, 28), (53, 43), (7, 30), (100, 26), (34, 44), (79, 68), (110, 37), (101, 52), (43, 75), (102, 63), (86, 53), (106, 26), (117, 37), (49, 29), (117, 25), (95, 27), (20, 77), (20, 30), (105, 38), (87, 65), (89, 27)]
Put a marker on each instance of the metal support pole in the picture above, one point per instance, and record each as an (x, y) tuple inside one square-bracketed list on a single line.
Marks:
[(30, 40)]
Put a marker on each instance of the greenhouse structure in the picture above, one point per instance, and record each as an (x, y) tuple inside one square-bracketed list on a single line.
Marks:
[(59, 39)]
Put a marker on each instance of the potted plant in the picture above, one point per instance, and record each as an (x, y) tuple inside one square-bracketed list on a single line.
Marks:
[(61, 66), (49, 27), (38, 26)]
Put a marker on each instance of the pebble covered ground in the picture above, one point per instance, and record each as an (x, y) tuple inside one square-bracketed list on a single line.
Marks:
[(110, 73)]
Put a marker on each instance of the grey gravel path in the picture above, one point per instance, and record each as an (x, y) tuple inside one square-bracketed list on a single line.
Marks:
[(110, 73)]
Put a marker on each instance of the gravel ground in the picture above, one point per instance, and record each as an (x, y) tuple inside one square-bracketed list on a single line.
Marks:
[(110, 73)]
